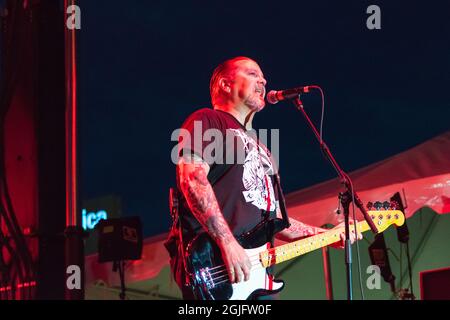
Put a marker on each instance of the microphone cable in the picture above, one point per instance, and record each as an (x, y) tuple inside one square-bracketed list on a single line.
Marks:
[(352, 192)]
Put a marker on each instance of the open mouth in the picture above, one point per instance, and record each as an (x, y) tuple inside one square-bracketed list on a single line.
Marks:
[(260, 91)]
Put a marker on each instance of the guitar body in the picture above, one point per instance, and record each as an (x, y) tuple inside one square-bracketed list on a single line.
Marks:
[(209, 277)]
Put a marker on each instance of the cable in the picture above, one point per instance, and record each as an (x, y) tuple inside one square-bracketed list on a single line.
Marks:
[(409, 269), (344, 177), (323, 113), (353, 195)]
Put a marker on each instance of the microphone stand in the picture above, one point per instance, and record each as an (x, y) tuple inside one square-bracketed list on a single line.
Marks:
[(345, 198)]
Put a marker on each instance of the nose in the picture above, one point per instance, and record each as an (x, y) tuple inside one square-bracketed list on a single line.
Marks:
[(262, 81)]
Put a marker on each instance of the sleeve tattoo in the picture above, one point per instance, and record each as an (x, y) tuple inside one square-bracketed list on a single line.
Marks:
[(201, 198)]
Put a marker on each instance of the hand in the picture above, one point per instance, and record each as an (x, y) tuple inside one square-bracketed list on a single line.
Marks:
[(236, 261), (341, 244)]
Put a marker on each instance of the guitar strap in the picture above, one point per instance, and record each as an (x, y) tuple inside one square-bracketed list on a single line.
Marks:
[(175, 199), (281, 201)]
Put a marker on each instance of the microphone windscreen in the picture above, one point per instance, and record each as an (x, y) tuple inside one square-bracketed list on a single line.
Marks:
[(272, 97)]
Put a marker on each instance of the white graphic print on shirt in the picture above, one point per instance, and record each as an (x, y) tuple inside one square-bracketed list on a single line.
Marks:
[(257, 168)]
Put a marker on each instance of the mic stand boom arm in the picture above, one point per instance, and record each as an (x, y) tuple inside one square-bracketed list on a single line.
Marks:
[(345, 179), (344, 198)]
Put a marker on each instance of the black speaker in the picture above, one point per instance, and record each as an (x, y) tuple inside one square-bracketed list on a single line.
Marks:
[(119, 239), (435, 284)]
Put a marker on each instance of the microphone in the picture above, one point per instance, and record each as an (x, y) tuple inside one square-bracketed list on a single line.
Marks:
[(276, 96)]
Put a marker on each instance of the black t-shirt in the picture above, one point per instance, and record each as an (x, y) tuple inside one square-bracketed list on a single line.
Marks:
[(245, 190)]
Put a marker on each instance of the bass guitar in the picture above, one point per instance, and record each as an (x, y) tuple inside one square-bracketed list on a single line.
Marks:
[(209, 277)]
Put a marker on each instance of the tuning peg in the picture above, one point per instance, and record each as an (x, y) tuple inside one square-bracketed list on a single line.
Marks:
[(386, 205), (378, 205), (394, 205), (369, 205)]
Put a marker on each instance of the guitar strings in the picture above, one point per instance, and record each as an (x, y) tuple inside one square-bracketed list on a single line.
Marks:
[(255, 263), (298, 249), (228, 279), (258, 263)]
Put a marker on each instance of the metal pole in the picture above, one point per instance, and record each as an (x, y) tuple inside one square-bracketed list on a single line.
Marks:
[(74, 232)]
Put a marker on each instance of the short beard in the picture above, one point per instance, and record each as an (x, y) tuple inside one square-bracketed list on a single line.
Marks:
[(254, 104)]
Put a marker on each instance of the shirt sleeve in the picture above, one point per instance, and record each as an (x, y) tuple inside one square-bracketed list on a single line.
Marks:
[(191, 139)]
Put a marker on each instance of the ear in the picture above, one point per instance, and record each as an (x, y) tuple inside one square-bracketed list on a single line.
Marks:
[(225, 85)]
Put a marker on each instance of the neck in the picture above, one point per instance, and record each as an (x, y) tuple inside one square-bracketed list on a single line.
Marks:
[(242, 113)]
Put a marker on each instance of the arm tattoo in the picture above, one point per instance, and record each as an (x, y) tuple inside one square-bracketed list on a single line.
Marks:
[(297, 230), (202, 200), (300, 229), (218, 228)]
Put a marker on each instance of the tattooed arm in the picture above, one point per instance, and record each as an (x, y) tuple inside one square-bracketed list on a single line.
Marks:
[(299, 230), (192, 173)]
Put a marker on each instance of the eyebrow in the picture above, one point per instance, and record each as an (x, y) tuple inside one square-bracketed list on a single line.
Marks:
[(251, 69)]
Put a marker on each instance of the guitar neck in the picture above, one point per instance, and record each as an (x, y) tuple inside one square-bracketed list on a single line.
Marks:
[(300, 247)]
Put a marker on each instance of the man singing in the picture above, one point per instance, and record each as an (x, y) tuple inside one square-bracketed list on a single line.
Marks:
[(225, 199)]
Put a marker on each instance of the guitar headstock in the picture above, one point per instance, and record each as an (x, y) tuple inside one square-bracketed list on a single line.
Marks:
[(383, 214)]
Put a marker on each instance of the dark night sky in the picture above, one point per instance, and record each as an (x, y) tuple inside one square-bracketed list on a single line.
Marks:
[(145, 65)]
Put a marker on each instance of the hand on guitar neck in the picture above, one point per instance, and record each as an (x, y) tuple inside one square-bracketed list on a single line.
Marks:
[(299, 230), (341, 244)]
